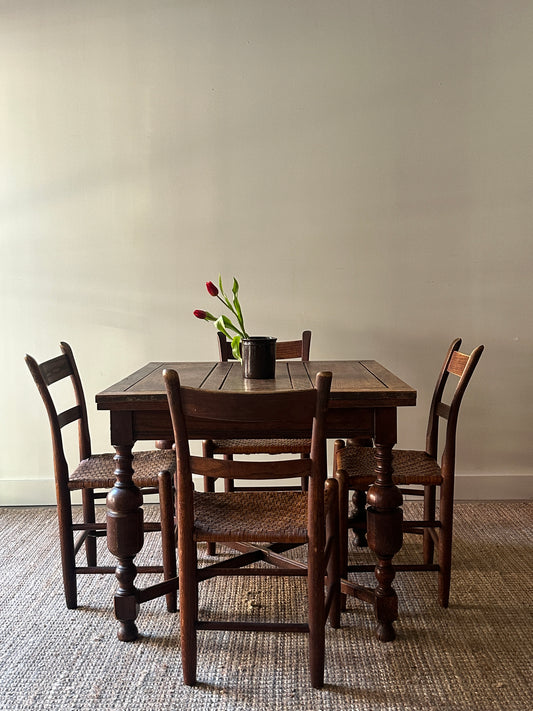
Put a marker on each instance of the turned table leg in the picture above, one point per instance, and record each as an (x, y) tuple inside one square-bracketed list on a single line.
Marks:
[(384, 522), (125, 539)]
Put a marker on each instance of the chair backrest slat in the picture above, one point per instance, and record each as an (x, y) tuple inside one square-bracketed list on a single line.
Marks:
[(285, 350), (68, 416), (443, 410), (233, 469), (55, 369), (458, 363)]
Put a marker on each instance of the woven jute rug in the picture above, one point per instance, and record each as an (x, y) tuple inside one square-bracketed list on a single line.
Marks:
[(477, 654)]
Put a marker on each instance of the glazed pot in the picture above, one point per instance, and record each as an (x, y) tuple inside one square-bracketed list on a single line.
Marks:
[(259, 357)]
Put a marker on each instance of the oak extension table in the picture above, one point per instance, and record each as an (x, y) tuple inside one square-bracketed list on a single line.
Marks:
[(363, 403)]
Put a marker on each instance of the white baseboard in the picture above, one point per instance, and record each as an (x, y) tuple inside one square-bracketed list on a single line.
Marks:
[(490, 487), (38, 492), (28, 492), (468, 487)]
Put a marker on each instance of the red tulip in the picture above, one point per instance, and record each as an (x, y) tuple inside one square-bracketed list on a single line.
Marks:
[(204, 315), (224, 324)]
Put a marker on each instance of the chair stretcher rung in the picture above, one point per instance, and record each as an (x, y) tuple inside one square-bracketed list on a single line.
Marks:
[(149, 526), (87, 570), (368, 568), (252, 626), (205, 574)]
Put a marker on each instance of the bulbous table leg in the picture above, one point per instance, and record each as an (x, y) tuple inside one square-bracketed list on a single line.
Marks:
[(384, 521), (125, 539)]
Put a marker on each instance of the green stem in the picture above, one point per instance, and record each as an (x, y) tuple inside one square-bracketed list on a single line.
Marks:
[(230, 306)]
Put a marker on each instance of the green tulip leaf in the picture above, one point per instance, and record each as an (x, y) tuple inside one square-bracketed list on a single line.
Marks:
[(223, 296), (236, 348), (224, 324), (219, 323), (237, 307)]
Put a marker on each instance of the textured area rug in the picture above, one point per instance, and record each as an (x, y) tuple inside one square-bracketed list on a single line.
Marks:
[(477, 654)]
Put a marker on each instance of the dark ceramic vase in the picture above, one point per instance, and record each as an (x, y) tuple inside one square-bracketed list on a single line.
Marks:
[(259, 357)]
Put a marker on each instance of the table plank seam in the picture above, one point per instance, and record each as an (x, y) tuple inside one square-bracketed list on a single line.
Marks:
[(210, 372), (374, 375)]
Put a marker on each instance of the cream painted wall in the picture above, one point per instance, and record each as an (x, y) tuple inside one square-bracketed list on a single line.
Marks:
[(364, 168)]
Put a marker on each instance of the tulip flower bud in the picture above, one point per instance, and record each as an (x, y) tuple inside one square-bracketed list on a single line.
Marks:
[(205, 315), (211, 288), (224, 324)]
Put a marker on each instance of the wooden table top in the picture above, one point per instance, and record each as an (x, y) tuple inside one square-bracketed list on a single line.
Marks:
[(355, 383)]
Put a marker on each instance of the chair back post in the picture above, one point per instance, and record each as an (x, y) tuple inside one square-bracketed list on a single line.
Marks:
[(432, 433), (318, 461), (318, 438), (224, 348), (306, 345), (448, 457), (173, 388), (315, 508), (60, 461), (84, 438), (184, 483)]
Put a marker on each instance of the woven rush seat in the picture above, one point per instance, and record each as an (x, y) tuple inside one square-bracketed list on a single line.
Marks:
[(234, 516), (265, 446), (98, 471), (410, 467)]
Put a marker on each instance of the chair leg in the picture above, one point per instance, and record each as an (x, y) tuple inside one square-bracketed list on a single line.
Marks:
[(87, 497), (188, 589), (207, 451), (168, 536), (359, 499), (229, 484), (343, 531), (429, 515), (209, 485), (359, 518), (445, 544), (317, 632), (333, 567), (66, 542), (304, 480), (164, 443)]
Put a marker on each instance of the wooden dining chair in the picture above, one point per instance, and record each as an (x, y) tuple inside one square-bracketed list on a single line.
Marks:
[(94, 476), (416, 473), (244, 519)]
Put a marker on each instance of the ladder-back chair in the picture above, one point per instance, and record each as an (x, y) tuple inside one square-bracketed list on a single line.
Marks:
[(243, 519), (417, 473), (94, 473)]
